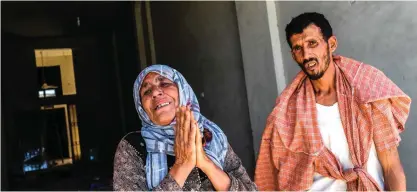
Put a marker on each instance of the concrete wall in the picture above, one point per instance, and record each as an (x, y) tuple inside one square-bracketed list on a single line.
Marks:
[(382, 34), (201, 40), (262, 61)]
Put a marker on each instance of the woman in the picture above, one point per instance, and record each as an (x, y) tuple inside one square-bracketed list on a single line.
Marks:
[(170, 153)]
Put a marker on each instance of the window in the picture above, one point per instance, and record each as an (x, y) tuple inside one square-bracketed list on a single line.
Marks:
[(47, 93), (50, 93)]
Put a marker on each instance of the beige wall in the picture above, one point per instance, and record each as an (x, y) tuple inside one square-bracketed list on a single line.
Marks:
[(62, 58)]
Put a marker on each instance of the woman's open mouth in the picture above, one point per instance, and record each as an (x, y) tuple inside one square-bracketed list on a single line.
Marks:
[(161, 105)]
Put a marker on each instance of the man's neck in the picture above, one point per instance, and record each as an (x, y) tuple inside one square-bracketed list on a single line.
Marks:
[(325, 87)]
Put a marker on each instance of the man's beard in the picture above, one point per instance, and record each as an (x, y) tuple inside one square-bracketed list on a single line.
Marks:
[(321, 72)]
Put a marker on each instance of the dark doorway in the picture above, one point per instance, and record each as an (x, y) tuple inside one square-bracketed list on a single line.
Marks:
[(54, 134), (103, 45)]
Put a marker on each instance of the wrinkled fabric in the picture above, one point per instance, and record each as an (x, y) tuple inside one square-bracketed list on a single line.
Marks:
[(371, 107), (160, 139)]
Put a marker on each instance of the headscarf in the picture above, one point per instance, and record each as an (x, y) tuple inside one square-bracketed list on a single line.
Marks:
[(160, 139)]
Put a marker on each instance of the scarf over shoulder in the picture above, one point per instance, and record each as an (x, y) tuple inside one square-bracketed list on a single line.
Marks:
[(371, 107)]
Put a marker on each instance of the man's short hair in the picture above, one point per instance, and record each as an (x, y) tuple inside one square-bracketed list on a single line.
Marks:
[(299, 23)]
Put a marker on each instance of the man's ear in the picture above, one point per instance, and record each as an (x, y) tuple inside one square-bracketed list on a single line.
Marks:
[(332, 41)]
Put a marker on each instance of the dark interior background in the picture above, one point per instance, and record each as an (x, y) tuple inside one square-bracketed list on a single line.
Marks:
[(199, 39), (105, 66)]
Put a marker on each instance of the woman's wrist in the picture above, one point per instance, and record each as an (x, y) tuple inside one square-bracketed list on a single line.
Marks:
[(217, 176), (180, 173), (207, 166)]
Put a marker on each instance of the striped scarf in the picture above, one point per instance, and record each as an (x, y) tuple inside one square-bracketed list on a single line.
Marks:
[(371, 107), (160, 139)]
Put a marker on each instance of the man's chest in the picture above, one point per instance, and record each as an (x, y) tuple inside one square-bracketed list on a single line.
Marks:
[(326, 100)]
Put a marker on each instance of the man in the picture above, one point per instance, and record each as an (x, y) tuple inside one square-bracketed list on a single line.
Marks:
[(337, 125)]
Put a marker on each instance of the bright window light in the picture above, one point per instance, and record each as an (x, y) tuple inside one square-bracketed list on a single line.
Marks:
[(41, 94), (50, 93)]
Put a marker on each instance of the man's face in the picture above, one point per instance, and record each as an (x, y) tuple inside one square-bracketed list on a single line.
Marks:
[(312, 52)]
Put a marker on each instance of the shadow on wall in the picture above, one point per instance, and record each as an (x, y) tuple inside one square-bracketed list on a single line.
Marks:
[(377, 33), (201, 40)]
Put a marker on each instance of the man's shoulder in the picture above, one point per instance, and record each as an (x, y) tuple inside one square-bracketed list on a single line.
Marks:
[(357, 72), (370, 83), (350, 63)]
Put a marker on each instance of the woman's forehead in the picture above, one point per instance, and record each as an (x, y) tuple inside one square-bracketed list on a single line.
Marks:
[(153, 77)]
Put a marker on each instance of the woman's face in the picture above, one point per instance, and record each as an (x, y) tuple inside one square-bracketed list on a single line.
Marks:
[(159, 97)]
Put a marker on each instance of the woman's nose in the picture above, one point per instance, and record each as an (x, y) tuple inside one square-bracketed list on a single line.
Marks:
[(157, 92)]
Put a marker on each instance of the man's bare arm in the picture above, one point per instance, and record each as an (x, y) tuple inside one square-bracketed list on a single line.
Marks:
[(394, 177)]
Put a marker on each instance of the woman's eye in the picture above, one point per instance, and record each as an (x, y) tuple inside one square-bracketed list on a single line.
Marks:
[(147, 92), (165, 84)]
